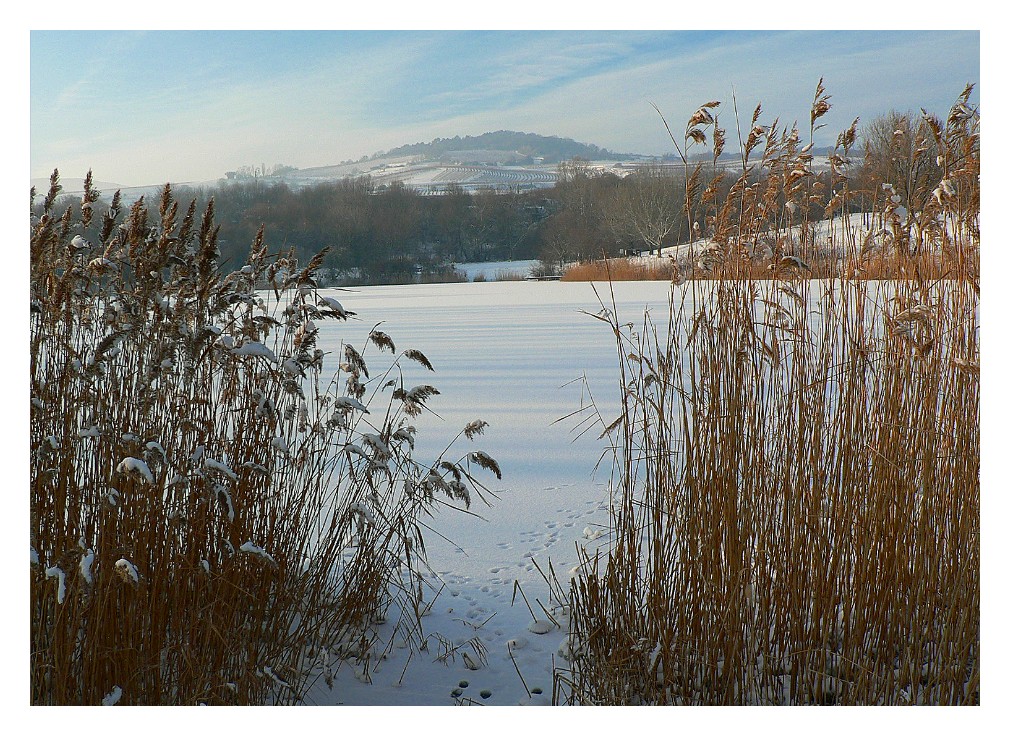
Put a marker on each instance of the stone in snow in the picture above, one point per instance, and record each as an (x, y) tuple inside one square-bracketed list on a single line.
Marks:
[(540, 627)]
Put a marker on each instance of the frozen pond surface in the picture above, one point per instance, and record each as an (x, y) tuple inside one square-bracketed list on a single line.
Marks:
[(512, 354)]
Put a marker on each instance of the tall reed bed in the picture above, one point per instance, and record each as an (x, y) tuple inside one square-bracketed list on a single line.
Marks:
[(621, 270), (796, 480), (217, 516), (760, 226)]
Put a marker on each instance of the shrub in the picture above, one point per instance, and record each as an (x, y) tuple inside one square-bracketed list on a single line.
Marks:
[(542, 270), (622, 269), (505, 274)]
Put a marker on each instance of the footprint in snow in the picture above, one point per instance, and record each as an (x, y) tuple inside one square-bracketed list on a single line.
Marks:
[(518, 643)]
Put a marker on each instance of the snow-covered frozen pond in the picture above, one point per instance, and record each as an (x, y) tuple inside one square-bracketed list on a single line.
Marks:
[(512, 354)]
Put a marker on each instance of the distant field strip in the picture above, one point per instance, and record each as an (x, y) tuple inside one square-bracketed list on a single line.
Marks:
[(472, 176)]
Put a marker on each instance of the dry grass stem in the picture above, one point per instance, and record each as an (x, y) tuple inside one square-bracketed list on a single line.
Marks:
[(217, 516), (795, 514)]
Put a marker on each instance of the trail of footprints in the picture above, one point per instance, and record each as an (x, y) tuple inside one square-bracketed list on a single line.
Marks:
[(584, 524), (540, 541), (472, 601)]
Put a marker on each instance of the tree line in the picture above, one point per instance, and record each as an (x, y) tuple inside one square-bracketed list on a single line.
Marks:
[(378, 234), (393, 234)]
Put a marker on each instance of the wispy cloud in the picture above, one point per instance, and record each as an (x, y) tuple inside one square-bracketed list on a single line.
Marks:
[(148, 107)]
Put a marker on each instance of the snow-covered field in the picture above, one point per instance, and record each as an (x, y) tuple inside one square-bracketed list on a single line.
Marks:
[(828, 236), (512, 354)]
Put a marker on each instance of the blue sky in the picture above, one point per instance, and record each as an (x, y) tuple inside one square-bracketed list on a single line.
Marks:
[(148, 107)]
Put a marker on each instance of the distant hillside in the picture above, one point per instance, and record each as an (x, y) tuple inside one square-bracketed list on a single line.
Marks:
[(73, 185), (505, 146)]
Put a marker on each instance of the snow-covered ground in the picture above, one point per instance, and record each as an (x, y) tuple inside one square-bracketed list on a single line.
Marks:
[(834, 235), (512, 354)]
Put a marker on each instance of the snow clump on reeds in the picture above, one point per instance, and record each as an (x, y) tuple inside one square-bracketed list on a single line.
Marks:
[(87, 560), (61, 581), (257, 551), (133, 465), (127, 571)]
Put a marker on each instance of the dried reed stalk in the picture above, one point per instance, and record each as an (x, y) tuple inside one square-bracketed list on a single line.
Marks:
[(215, 515), (795, 514)]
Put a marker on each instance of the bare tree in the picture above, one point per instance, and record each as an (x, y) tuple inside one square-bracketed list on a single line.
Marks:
[(647, 206), (902, 151), (575, 185)]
